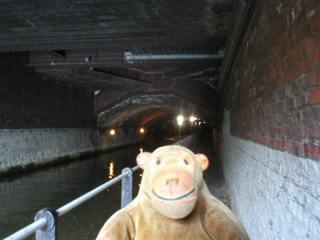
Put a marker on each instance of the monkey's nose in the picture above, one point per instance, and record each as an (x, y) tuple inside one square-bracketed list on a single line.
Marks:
[(174, 181)]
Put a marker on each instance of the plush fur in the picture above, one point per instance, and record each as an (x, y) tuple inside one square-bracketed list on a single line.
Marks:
[(173, 203)]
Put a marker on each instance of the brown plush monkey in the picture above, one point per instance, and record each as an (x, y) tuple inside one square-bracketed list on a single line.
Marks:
[(173, 203)]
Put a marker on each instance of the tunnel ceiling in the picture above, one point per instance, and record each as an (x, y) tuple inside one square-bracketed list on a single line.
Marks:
[(142, 58)]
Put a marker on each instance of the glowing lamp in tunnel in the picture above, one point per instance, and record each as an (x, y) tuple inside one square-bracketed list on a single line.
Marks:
[(112, 132), (141, 130), (180, 120), (192, 119)]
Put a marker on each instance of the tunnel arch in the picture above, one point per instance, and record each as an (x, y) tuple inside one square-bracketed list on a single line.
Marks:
[(139, 110)]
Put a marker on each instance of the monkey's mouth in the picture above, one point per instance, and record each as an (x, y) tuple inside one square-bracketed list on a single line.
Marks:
[(173, 199)]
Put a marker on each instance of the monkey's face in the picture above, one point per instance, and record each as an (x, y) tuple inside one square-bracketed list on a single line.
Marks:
[(173, 182)]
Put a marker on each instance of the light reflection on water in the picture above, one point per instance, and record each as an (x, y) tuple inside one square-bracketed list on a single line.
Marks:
[(23, 195), (111, 170)]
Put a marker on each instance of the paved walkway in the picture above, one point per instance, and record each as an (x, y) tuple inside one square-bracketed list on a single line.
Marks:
[(213, 176)]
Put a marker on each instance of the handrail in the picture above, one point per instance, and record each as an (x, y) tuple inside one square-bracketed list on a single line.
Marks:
[(46, 214), (28, 230)]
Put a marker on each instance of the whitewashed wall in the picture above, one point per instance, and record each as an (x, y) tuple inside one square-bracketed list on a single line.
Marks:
[(30, 148), (20, 148), (276, 195)]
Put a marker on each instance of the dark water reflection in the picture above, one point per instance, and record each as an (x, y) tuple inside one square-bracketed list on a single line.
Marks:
[(22, 195)]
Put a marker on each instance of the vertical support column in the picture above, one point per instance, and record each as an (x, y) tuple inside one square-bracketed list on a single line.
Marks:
[(48, 232), (126, 188)]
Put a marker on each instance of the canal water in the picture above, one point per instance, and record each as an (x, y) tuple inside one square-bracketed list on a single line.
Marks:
[(23, 195)]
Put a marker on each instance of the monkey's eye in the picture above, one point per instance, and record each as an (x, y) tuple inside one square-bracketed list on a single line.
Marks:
[(186, 162), (158, 162)]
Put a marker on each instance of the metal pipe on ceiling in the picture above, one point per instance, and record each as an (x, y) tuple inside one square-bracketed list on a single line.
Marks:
[(172, 57)]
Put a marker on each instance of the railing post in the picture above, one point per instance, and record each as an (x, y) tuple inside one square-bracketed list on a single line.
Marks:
[(49, 231), (126, 188)]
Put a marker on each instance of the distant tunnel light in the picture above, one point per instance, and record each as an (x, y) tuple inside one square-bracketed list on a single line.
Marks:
[(112, 132), (192, 119), (142, 130), (180, 120)]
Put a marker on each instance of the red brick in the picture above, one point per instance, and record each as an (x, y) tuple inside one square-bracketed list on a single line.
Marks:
[(280, 81), (283, 53), (298, 148), (279, 144), (291, 62), (274, 110), (262, 140), (295, 12), (282, 131), (302, 132), (291, 45), (289, 103), (311, 7), (315, 117), (287, 145), (307, 150), (309, 45), (275, 73), (302, 100), (287, 72), (317, 38), (303, 67), (314, 96), (273, 132), (255, 110), (267, 131), (314, 133), (291, 117), (315, 152), (315, 19), (288, 90), (300, 17), (283, 66), (299, 53), (274, 60), (280, 107), (315, 78), (302, 34), (267, 110), (254, 122), (292, 74), (315, 59), (316, 114), (307, 82), (289, 133), (278, 120)]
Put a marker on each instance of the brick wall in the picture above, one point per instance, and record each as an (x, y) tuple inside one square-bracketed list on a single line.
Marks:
[(273, 90), (274, 193), (28, 100), (42, 120), (23, 149), (270, 148)]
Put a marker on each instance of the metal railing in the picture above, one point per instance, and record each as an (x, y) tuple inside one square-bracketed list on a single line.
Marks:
[(45, 223)]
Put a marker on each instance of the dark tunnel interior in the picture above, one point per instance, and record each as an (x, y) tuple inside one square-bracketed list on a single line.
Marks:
[(82, 78)]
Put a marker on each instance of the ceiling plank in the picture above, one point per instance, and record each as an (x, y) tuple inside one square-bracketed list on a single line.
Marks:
[(95, 80)]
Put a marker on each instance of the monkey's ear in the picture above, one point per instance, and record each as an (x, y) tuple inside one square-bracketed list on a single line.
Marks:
[(203, 160), (142, 159)]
